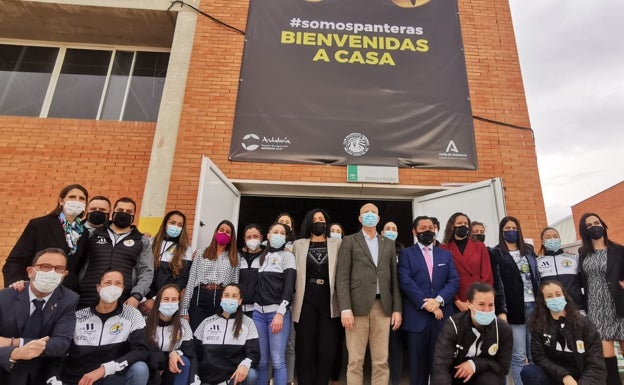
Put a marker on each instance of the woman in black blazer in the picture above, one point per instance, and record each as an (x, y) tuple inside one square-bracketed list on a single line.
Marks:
[(62, 228), (602, 272), (517, 266)]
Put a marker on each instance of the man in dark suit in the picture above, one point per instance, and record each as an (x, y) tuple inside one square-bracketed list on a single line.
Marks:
[(428, 281), (368, 297), (37, 322)]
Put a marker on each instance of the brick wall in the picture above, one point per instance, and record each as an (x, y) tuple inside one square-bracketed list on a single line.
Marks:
[(38, 157), (608, 205), (42, 155)]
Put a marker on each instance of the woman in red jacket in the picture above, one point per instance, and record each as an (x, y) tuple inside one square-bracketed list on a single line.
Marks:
[(471, 258)]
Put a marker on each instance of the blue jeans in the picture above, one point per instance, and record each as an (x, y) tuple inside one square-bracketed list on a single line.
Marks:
[(252, 377), (183, 377), (273, 344), (137, 374), (521, 345), (534, 375)]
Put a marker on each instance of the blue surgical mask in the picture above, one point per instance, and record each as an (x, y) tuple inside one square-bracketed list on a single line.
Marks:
[(277, 240), (552, 244), (484, 318), (173, 231), (370, 219), (510, 236), (168, 309), (229, 305), (557, 304), (391, 234), (335, 235)]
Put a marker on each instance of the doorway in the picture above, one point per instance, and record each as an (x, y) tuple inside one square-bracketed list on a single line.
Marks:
[(263, 210)]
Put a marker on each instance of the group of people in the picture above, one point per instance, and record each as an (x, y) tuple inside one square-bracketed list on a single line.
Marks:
[(91, 300)]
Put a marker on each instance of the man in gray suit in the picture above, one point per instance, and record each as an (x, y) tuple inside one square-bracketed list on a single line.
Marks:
[(368, 296)]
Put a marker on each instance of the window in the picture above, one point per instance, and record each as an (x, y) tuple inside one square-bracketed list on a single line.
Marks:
[(25, 74), (81, 83)]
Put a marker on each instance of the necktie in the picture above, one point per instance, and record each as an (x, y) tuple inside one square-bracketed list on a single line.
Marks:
[(429, 261), (33, 325)]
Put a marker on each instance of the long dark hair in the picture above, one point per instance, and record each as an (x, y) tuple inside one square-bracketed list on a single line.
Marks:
[(292, 236), (64, 193), (539, 320), (238, 318), (153, 318), (183, 244), (522, 247), (306, 225), (588, 246), (266, 249), (449, 232), (211, 250)]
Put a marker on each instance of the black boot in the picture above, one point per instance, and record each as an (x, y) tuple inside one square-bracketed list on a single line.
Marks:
[(613, 376)]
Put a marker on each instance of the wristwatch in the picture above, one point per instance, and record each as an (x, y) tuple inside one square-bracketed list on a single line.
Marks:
[(137, 296)]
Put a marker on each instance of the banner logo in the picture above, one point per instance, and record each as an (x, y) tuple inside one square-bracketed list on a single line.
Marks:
[(451, 147), (250, 142), (356, 144), (410, 3)]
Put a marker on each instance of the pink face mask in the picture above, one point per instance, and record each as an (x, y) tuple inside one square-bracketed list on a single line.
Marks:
[(222, 239)]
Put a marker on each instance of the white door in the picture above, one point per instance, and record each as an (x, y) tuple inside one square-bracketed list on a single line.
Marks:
[(482, 201), (217, 199)]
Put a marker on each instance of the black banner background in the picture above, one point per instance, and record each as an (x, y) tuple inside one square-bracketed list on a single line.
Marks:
[(413, 110)]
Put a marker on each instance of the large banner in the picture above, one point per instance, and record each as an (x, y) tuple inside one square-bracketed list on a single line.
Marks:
[(374, 82)]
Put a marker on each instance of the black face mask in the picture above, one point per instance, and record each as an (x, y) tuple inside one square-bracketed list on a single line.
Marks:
[(462, 231), (319, 228), (97, 218), (122, 220), (426, 237), (595, 232), (288, 230), (480, 237)]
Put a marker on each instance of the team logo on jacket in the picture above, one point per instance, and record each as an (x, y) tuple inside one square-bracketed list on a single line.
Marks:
[(100, 241), (129, 242), (493, 349), (566, 263), (115, 328)]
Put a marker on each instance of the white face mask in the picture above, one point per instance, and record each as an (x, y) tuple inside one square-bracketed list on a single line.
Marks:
[(73, 208), (252, 244), (110, 294), (47, 281)]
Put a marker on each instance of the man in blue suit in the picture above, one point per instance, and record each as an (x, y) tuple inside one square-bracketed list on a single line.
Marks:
[(37, 322), (428, 282)]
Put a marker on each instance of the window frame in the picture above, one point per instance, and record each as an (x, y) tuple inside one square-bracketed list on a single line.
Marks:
[(60, 58)]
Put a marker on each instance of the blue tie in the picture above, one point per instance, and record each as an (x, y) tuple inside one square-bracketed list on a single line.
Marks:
[(33, 325)]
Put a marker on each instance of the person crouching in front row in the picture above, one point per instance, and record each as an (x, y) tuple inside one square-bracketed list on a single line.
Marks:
[(474, 346), (227, 343), (109, 340)]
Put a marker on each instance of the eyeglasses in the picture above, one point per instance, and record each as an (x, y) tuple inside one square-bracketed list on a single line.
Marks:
[(45, 267)]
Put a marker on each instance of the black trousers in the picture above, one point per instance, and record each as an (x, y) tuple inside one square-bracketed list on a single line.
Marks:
[(316, 344), (204, 303)]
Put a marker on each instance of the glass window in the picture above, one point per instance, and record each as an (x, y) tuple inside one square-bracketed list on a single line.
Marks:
[(79, 88), (117, 84), (25, 74), (146, 86), (125, 85)]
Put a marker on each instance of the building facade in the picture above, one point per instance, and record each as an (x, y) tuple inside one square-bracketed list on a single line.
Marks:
[(125, 150)]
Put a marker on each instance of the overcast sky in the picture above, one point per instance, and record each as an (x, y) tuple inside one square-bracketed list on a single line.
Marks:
[(572, 59)]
